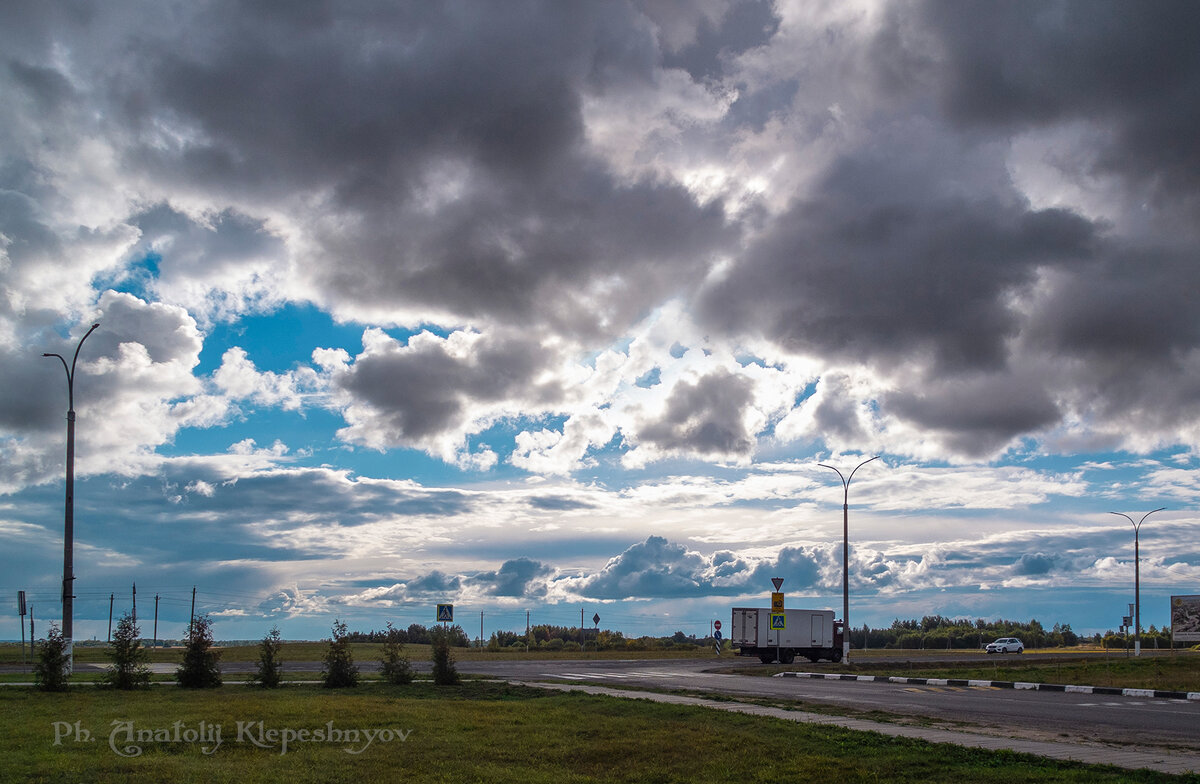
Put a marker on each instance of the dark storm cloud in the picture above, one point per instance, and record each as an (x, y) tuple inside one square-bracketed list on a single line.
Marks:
[(277, 495), (518, 577), (977, 416), (889, 259), (798, 566), (1134, 67), (704, 417), (558, 503), (192, 248), (1034, 565), (433, 152), (435, 583), (744, 25), (836, 412), (423, 389)]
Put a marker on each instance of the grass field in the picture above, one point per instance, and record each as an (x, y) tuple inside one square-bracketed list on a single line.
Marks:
[(1180, 672), (482, 731)]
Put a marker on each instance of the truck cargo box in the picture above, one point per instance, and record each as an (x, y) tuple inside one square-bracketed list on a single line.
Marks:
[(810, 633)]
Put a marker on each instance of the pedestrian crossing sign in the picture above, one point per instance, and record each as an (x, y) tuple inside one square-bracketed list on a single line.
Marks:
[(778, 622), (445, 613)]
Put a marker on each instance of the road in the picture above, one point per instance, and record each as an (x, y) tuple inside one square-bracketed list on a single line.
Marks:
[(1044, 715)]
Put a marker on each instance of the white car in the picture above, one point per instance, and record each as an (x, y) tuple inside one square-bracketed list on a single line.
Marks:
[(1006, 645)]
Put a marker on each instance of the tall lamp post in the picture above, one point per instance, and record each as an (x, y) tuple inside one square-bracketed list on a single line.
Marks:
[(1137, 579), (846, 554), (69, 515)]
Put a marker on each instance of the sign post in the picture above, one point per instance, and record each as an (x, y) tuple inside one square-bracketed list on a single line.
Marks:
[(717, 636), (21, 610), (778, 616)]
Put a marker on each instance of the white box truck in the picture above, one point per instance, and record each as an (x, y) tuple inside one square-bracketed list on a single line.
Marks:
[(812, 634)]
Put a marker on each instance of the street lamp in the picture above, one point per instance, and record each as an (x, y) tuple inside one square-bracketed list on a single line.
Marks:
[(846, 554), (69, 515), (1137, 579)]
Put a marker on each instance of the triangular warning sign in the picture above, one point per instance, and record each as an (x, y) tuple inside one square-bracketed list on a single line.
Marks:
[(777, 582)]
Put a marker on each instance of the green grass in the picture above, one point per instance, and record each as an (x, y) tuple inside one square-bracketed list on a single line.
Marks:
[(1180, 672), (481, 731)]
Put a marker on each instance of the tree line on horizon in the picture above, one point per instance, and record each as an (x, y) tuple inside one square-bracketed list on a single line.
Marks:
[(929, 632)]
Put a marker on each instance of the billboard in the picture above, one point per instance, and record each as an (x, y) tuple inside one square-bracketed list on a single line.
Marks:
[(1185, 618)]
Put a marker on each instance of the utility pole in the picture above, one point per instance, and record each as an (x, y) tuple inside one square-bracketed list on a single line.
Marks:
[(846, 555), (21, 612), (193, 619), (155, 645), (68, 589), (481, 628), (527, 631), (111, 596), (135, 602), (1137, 579)]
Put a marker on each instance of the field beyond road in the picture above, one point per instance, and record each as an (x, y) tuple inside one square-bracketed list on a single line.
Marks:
[(480, 731), (1165, 673)]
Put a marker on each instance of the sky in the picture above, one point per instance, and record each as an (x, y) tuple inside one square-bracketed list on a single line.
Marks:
[(553, 308)]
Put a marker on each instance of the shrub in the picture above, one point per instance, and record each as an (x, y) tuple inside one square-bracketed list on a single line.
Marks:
[(50, 669), (339, 671), (394, 665), (199, 669), (444, 673), (129, 658), (270, 668)]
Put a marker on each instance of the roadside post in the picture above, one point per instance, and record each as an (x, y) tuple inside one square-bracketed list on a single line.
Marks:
[(717, 636)]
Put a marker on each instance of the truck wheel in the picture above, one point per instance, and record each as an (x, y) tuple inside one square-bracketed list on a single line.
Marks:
[(787, 657), (766, 658)]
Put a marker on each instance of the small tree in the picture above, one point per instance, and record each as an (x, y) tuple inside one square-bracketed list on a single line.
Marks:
[(129, 658), (270, 668), (339, 671), (444, 673), (395, 666), (199, 669), (50, 669)]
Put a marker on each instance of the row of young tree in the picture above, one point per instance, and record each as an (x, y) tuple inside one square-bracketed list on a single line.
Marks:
[(200, 668)]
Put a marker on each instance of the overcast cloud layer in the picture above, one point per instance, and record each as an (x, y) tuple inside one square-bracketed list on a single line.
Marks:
[(554, 303)]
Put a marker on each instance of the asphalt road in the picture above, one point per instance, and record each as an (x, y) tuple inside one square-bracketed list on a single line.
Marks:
[(1047, 715)]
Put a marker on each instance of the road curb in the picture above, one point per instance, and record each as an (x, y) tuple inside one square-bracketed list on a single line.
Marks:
[(1019, 685)]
